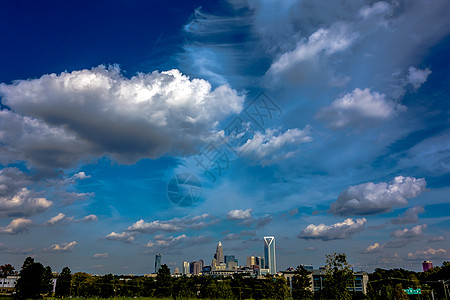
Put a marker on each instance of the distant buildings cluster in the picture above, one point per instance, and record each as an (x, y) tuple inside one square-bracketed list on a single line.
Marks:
[(258, 266), (223, 265)]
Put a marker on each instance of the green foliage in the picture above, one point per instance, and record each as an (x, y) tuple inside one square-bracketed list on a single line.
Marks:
[(301, 284), (165, 282), (399, 293), (6, 270), (47, 281), (338, 276), (29, 284), (62, 288)]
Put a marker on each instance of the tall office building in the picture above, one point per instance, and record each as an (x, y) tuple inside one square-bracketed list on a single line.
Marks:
[(260, 262), (186, 266), (427, 265), (269, 254), (251, 261), (230, 258), (219, 253), (157, 262), (198, 267)]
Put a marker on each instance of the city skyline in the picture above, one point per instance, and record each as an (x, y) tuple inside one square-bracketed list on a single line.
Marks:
[(135, 128)]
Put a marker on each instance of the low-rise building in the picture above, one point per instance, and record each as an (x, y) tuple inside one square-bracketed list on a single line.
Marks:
[(7, 284), (317, 276)]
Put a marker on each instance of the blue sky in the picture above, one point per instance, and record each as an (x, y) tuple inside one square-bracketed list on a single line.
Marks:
[(323, 124)]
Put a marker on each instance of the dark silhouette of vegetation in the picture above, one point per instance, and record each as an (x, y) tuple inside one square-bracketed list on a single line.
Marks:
[(63, 283), (164, 281), (301, 284), (6, 270), (47, 281), (30, 282), (36, 281), (338, 276)]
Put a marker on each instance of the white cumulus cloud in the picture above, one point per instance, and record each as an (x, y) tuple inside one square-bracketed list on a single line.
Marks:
[(373, 198), (306, 61), (58, 219), (375, 247), (408, 233), (429, 253), (16, 226), (16, 200), (123, 237), (239, 214), (274, 145), (63, 247), (359, 108), (342, 230), (99, 111), (89, 218)]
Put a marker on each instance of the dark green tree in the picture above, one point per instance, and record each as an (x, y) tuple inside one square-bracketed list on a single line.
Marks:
[(62, 288), (6, 270), (76, 283), (164, 282), (29, 284), (301, 284), (399, 293), (108, 287), (27, 262), (338, 276), (47, 281)]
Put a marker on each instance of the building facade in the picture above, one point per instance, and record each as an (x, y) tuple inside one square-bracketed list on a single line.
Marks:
[(186, 270), (269, 254), (7, 284), (219, 253), (157, 262), (317, 277), (427, 265)]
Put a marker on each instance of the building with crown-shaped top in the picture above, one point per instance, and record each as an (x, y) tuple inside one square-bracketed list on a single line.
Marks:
[(219, 253), (269, 254)]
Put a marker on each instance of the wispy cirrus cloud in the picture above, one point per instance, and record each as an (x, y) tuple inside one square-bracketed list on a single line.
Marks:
[(409, 216), (15, 251), (172, 244), (175, 224)]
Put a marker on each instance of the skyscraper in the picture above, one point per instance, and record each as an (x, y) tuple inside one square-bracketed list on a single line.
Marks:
[(219, 253), (230, 258), (251, 261), (269, 254), (157, 262), (186, 266), (197, 267)]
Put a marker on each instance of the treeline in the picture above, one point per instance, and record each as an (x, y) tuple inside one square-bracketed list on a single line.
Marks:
[(36, 282), (389, 284)]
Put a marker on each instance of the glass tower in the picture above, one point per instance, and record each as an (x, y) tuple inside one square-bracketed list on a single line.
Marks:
[(269, 254), (157, 262)]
